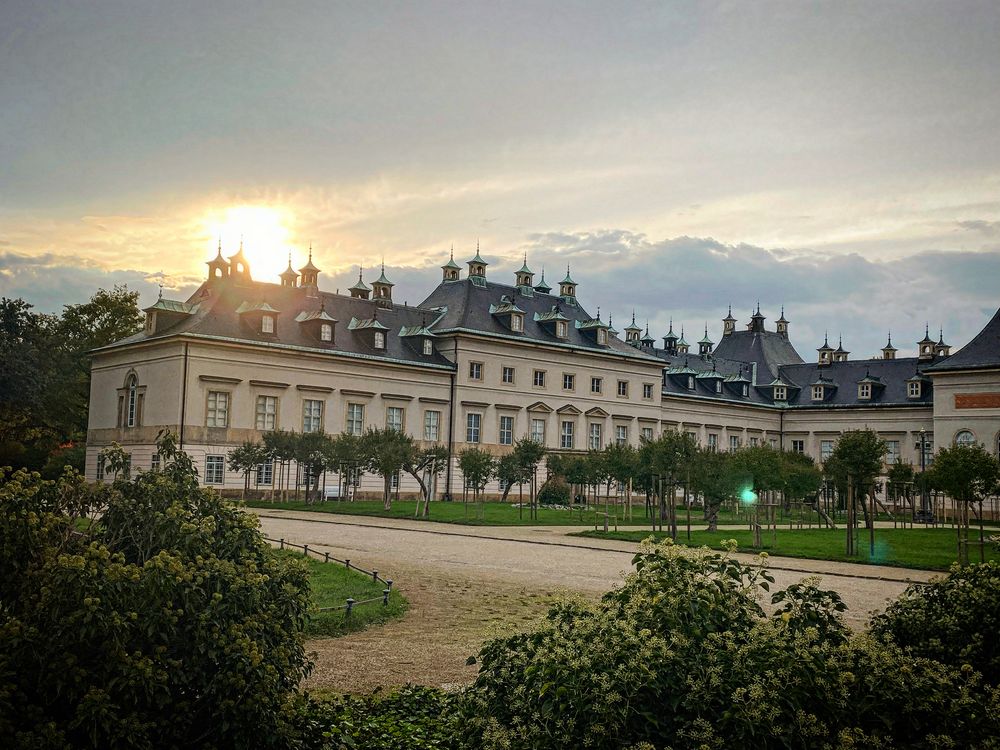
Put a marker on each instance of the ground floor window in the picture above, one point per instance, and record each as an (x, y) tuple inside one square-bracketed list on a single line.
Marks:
[(215, 468), (265, 473)]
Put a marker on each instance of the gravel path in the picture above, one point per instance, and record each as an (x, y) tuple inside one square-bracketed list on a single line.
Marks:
[(466, 584)]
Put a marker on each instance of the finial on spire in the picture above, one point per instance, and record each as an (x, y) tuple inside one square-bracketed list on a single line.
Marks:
[(452, 253), (633, 316), (161, 292)]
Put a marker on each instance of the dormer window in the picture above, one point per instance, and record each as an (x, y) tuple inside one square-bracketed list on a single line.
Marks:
[(267, 324), (561, 329), (864, 391), (428, 347), (780, 393), (745, 390), (690, 382), (913, 389), (379, 340), (817, 393), (602, 336), (326, 332), (517, 323), (718, 386)]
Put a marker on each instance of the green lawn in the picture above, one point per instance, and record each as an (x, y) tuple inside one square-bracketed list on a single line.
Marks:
[(931, 549), (331, 584), (495, 514)]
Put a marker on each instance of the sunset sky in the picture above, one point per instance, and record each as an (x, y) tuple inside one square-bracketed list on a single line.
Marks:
[(841, 159)]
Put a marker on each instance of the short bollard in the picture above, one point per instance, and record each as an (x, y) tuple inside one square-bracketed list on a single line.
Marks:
[(385, 597), (388, 584), (305, 550), (282, 546), (374, 575), (347, 564), (327, 557), (350, 604)]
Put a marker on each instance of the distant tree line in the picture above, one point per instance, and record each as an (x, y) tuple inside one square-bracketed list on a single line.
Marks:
[(45, 375)]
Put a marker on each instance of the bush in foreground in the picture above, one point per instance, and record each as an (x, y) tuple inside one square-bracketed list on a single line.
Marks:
[(168, 622), (683, 656)]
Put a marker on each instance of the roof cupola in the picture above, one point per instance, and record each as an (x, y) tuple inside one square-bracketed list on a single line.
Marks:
[(941, 349), (218, 267), (382, 290), (781, 325), (705, 345), (825, 352), (632, 332), (840, 354), (682, 346), (360, 290), (889, 351), (524, 278), (729, 323), (757, 321), (289, 277), (239, 268), (670, 340), (452, 271), (309, 273), (567, 289), (925, 347), (477, 269)]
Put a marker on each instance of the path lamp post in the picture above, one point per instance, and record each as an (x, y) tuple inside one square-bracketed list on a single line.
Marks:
[(923, 468)]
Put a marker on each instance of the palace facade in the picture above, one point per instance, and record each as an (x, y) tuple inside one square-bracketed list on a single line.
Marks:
[(483, 362)]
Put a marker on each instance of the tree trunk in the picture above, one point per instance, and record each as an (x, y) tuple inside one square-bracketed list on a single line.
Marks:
[(387, 492)]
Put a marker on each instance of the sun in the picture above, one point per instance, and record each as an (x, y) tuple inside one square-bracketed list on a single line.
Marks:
[(265, 234)]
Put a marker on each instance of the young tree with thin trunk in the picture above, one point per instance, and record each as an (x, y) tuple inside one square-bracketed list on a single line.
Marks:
[(385, 453), (967, 474), (478, 467)]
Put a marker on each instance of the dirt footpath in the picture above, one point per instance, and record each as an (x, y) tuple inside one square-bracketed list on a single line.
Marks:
[(467, 584)]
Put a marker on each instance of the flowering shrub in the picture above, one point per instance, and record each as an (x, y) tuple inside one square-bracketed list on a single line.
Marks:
[(168, 622), (683, 656)]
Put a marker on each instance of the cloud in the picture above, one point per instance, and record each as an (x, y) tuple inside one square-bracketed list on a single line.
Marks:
[(989, 228)]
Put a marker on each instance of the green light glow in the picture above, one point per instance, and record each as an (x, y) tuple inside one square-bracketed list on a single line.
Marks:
[(747, 495)]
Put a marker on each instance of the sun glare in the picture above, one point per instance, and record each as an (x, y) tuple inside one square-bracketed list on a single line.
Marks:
[(265, 234)]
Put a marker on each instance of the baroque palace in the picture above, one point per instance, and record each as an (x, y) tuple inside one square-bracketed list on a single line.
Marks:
[(481, 362)]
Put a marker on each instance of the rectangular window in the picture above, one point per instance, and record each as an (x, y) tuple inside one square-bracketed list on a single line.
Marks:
[(566, 436), (432, 425), (865, 391), (913, 389), (647, 390), (713, 442), (99, 476), (506, 430), (473, 426), (817, 393), (754, 442), (475, 370), (325, 332), (312, 415), (267, 324), (621, 434), (623, 388), (507, 375), (215, 467), (394, 481), (561, 329), (596, 384), (647, 433), (267, 411), (798, 446), (825, 449), (734, 442), (379, 340), (355, 419), (218, 409), (538, 431), (569, 381), (596, 438), (394, 418), (538, 379), (892, 451), (428, 347), (154, 462), (265, 473), (779, 393), (773, 442), (516, 323)]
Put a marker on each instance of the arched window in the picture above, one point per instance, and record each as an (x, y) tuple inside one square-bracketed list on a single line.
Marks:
[(965, 437), (132, 399)]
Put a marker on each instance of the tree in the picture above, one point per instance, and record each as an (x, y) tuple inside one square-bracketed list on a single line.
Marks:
[(478, 467), (345, 453), (424, 465), (169, 622), (667, 460), (968, 474), (621, 465), (245, 458), (385, 453), (714, 478)]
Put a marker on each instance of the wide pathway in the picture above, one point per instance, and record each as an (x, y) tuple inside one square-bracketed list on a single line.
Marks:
[(467, 583)]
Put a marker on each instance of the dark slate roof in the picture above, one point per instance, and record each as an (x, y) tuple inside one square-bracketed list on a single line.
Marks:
[(982, 351), (844, 378), (767, 349), (466, 307), (733, 372), (218, 300)]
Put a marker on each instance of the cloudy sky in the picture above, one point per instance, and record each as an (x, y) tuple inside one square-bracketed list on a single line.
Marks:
[(841, 159)]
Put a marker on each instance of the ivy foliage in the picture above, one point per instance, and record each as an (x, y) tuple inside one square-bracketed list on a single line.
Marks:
[(148, 613)]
